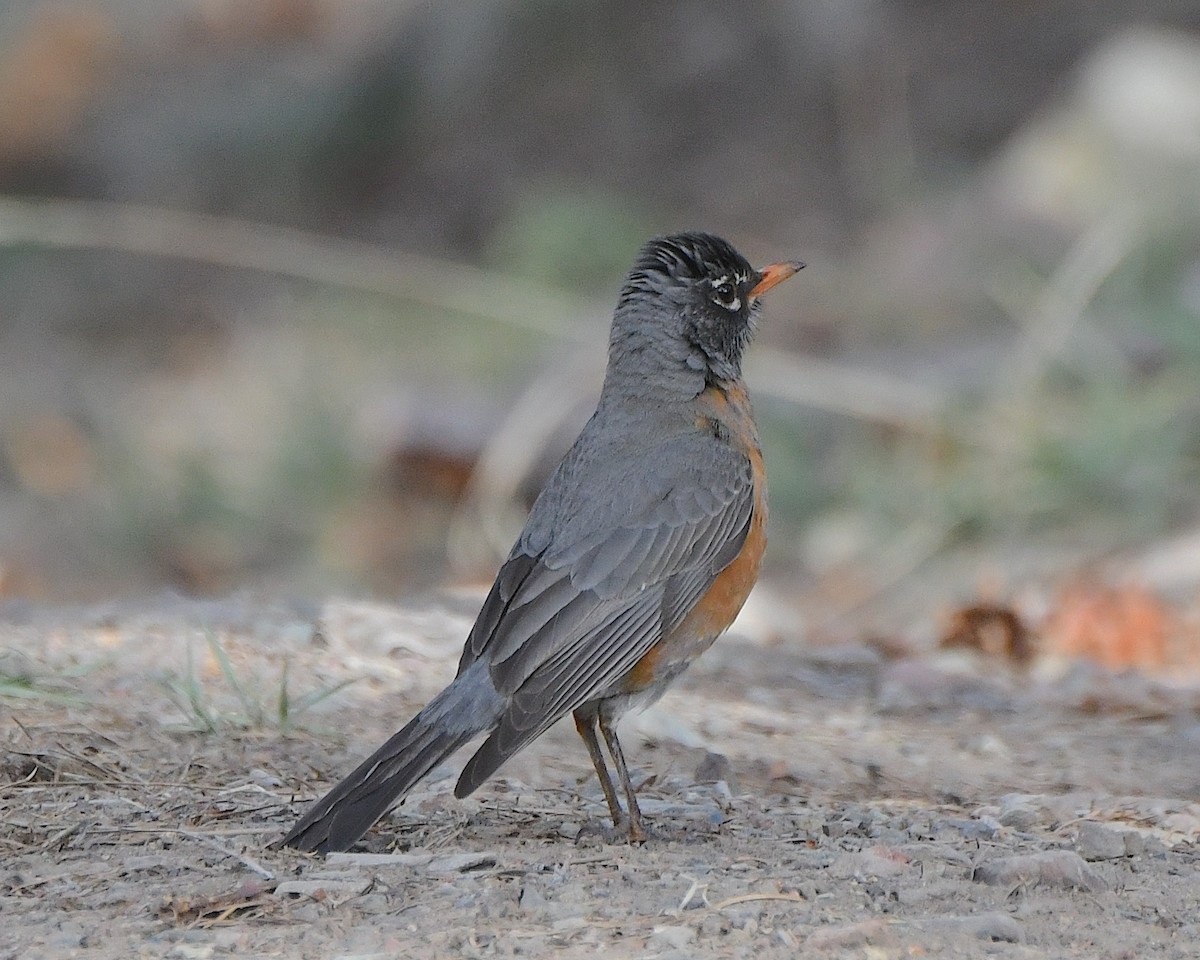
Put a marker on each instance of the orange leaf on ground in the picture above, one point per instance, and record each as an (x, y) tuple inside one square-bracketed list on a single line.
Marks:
[(1117, 626), (993, 629)]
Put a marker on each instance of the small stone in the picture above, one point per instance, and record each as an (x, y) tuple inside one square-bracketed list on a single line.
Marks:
[(1019, 818), (1054, 868), (981, 828), (848, 936), (191, 951), (877, 862), (532, 899), (675, 937), (306, 913), (372, 903), (1098, 842), (716, 767), (785, 938), (1017, 810)]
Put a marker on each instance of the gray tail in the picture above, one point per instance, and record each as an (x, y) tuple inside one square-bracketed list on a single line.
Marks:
[(453, 717)]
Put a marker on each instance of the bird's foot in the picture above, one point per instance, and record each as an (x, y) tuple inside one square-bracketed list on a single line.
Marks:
[(603, 832)]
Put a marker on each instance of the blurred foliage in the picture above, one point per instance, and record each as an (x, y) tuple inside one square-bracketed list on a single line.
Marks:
[(578, 239), (1107, 437), (248, 703), (167, 419)]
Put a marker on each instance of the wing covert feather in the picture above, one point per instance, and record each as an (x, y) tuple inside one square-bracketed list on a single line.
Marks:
[(557, 624)]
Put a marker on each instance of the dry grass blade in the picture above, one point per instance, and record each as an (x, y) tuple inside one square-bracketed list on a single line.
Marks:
[(187, 693), (249, 862), (21, 688), (288, 708), (21, 681), (252, 707), (252, 899), (754, 897), (190, 696), (1063, 300), (289, 252)]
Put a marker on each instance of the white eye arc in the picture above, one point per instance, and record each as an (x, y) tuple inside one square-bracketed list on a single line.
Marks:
[(725, 294)]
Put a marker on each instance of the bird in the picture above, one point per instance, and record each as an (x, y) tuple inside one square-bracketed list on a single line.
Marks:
[(640, 550)]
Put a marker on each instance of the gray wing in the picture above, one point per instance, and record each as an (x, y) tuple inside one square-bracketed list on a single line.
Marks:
[(570, 615)]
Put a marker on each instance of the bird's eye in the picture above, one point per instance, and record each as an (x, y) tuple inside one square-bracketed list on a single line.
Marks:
[(726, 294)]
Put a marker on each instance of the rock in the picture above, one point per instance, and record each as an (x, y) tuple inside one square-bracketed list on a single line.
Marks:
[(1019, 818), (1054, 868), (378, 904), (569, 829), (877, 862), (846, 936), (1098, 842), (977, 828), (702, 809), (1018, 810), (531, 899), (673, 936), (191, 951), (716, 767)]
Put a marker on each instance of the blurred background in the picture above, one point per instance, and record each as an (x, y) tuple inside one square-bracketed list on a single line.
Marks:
[(309, 295)]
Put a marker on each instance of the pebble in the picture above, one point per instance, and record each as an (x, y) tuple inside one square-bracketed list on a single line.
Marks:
[(569, 829), (1018, 817), (531, 899), (714, 768), (1135, 843), (191, 951), (1018, 811), (845, 936), (306, 913), (378, 903), (1098, 842), (868, 863), (981, 828), (673, 936)]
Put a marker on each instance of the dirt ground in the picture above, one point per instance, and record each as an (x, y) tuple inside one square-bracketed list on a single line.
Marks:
[(832, 802)]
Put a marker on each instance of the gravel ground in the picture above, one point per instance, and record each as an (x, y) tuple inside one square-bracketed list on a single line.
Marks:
[(805, 802)]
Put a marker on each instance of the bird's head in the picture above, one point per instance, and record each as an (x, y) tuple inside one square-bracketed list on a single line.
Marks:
[(688, 308)]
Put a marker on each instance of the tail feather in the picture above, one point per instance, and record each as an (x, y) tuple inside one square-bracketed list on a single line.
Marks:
[(453, 717)]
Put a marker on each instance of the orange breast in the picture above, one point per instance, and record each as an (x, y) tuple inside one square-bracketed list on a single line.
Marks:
[(719, 606)]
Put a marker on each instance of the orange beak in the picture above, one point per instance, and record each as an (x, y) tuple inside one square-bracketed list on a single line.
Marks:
[(774, 275)]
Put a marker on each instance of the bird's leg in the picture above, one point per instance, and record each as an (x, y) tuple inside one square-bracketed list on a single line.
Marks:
[(637, 833), (585, 723)]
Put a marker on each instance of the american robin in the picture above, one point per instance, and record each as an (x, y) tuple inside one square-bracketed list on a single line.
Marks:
[(637, 555)]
